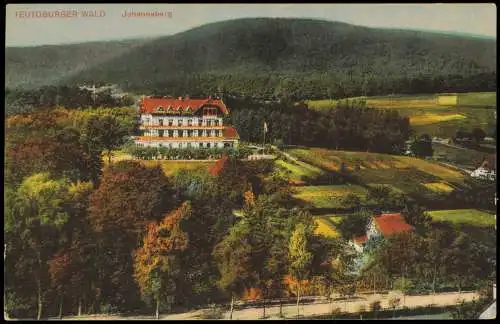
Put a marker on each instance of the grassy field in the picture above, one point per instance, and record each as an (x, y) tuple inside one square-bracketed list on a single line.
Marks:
[(297, 170), (325, 228), (433, 114), (329, 196), (439, 187), (168, 166), (460, 156), (464, 216), (404, 174), (430, 118), (367, 163)]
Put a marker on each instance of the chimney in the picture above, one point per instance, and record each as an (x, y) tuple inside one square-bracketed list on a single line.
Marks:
[(180, 98)]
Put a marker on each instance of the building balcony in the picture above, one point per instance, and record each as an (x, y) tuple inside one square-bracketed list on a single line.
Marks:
[(175, 127), (182, 139)]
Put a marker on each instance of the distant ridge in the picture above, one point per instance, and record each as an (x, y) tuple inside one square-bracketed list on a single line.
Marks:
[(269, 57)]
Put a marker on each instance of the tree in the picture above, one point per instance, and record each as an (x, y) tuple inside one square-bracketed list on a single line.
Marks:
[(300, 257), (157, 262), (60, 272), (417, 216), (233, 258), (355, 224), (38, 211), (106, 132), (422, 147), (129, 195), (478, 134)]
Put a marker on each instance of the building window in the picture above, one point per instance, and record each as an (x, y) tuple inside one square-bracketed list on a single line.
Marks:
[(217, 133), (216, 122), (200, 122), (160, 121), (208, 145), (179, 122), (209, 123), (190, 133), (181, 133), (190, 122), (170, 122), (160, 133), (170, 133), (200, 145)]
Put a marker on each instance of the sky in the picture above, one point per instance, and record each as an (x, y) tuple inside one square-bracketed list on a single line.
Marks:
[(22, 29)]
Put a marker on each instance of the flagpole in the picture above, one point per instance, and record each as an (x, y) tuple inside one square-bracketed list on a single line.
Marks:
[(264, 140)]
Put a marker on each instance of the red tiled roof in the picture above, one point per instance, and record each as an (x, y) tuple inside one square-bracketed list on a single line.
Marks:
[(230, 132), (150, 105), (389, 224), (360, 239)]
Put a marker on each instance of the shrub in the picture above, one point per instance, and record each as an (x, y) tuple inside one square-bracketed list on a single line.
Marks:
[(375, 306), (336, 311), (404, 286)]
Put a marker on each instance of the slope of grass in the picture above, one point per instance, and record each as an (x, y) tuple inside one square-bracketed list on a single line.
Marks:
[(464, 216), (404, 174), (428, 115), (329, 196), (438, 187), (325, 228), (297, 170), (170, 167)]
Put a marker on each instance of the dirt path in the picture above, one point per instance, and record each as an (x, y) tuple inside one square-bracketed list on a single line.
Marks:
[(317, 308)]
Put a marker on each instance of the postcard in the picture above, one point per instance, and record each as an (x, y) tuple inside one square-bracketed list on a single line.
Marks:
[(250, 161)]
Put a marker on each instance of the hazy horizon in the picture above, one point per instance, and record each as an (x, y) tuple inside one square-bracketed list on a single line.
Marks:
[(467, 19)]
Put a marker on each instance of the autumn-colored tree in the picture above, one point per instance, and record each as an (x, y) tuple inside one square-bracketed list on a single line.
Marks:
[(60, 155), (60, 272), (233, 257), (38, 210), (300, 257), (129, 196), (157, 262)]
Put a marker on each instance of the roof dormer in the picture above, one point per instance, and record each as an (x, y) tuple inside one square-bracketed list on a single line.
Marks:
[(179, 109), (160, 109)]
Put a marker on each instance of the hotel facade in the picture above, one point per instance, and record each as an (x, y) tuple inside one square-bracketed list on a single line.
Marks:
[(184, 123)]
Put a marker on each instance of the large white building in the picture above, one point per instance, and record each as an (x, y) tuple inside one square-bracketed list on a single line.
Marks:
[(184, 123)]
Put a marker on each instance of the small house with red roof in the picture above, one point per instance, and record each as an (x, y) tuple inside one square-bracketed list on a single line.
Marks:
[(385, 226), (184, 123)]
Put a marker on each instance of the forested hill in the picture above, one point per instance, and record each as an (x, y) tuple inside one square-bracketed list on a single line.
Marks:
[(295, 59), (36, 66)]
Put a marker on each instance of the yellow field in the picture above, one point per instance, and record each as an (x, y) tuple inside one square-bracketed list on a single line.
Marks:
[(438, 186), (405, 173), (430, 118), (325, 229), (169, 167)]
